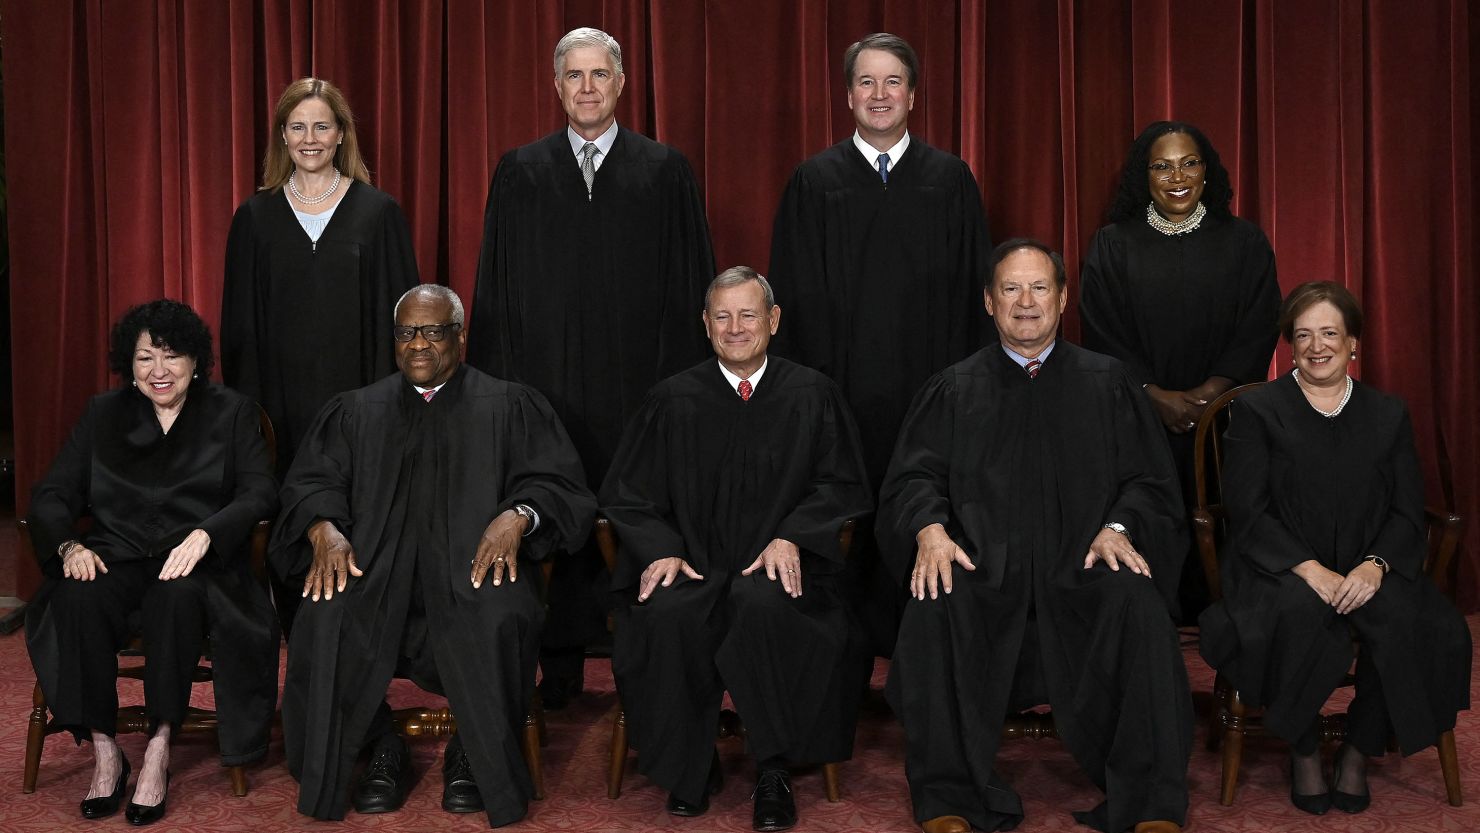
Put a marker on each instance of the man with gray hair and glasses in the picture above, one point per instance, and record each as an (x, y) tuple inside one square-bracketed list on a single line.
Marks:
[(595, 253)]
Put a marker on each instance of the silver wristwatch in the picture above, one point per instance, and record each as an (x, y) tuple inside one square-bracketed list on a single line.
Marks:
[(527, 514), (1118, 527)]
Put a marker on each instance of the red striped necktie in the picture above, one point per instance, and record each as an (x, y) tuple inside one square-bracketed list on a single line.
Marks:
[(1032, 367), (427, 395)]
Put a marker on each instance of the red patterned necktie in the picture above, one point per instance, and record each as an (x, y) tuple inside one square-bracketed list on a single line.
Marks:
[(427, 395), (1032, 368), (745, 390)]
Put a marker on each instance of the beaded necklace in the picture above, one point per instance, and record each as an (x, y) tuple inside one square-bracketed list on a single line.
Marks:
[(1170, 228)]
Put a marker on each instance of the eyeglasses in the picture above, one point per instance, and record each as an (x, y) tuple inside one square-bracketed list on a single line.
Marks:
[(431, 332), (1163, 170)]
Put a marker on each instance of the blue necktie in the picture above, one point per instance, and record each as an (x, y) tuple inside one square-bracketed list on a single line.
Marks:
[(884, 167)]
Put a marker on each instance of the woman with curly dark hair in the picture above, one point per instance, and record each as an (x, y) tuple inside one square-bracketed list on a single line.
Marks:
[(174, 472), (1179, 289)]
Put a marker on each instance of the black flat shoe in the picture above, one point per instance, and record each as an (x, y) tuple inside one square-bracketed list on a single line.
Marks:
[(387, 778), (678, 807), (139, 815), (106, 805), (775, 808), (459, 790), (1348, 802), (1315, 803)]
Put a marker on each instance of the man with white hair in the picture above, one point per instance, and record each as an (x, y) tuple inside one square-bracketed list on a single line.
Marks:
[(595, 253), (411, 517)]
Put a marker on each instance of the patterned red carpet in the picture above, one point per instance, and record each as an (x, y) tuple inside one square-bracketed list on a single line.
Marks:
[(1408, 794)]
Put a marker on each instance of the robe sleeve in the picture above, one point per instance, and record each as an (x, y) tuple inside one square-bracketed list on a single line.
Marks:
[(253, 488), (1103, 306), (635, 497), (543, 471), (916, 489), (1400, 542), (799, 274), (393, 270), (689, 266), (61, 497), (489, 348), (1247, 355), (1258, 532), (839, 489), (241, 367), (317, 488), (1149, 500)]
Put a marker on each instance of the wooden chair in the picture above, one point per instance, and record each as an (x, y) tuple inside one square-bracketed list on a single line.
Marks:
[(420, 721), (133, 718), (1231, 719), (729, 722)]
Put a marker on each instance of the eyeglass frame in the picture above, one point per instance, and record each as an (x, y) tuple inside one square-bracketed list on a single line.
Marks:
[(1191, 168), (445, 329)]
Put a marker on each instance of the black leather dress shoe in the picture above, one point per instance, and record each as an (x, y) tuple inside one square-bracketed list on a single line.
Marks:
[(106, 805), (139, 815), (678, 807), (387, 778), (1349, 802), (459, 790), (775, 809)]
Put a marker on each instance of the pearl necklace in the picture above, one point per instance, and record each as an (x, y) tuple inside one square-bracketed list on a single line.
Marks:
[(298, 195), (1170, 228), (1345, 398)]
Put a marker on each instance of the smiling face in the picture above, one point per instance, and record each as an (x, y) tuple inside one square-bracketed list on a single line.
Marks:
[(1320, 344), (1176, 174), (589, 86), (160, 373), (428, 363), (880, 97), (740, 326), (312, 135), (1026, 301)]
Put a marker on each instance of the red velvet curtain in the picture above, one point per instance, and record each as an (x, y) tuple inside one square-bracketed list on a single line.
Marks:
[(134, 129)]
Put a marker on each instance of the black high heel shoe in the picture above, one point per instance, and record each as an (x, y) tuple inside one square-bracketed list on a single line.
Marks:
[(1316, 803), (1349, 802), (106, 805), (139, 815)]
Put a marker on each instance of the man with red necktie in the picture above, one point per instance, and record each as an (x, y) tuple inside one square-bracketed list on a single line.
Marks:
[(731, 484)]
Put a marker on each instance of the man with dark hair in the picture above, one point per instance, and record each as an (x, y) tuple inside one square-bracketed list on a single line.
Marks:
[(730, 486), (595, 253), (878, 252), (1029, 504), (411, 517)]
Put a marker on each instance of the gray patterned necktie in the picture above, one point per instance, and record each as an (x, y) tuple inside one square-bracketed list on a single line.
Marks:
[(588, 166)]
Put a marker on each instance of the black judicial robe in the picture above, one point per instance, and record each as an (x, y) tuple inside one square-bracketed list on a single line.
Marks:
[(591, 301), (1299, 486), (707, 476), (1179, 309), (413, 485), (145, 491), (1023, 473), (881, 284), (301, 321)]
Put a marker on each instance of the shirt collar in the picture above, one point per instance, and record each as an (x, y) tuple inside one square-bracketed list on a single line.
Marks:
[(604, 142), (755, 378), (872, 154), (1022, 361), (423, 391)]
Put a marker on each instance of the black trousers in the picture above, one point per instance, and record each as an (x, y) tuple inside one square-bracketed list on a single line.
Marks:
[(95, 619)]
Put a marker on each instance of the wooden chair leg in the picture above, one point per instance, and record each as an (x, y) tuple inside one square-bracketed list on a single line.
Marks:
[(1233, 747), (238, 780), (532, 756), (618, 755), (830, 782), (35, 739), (1449, 762)]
